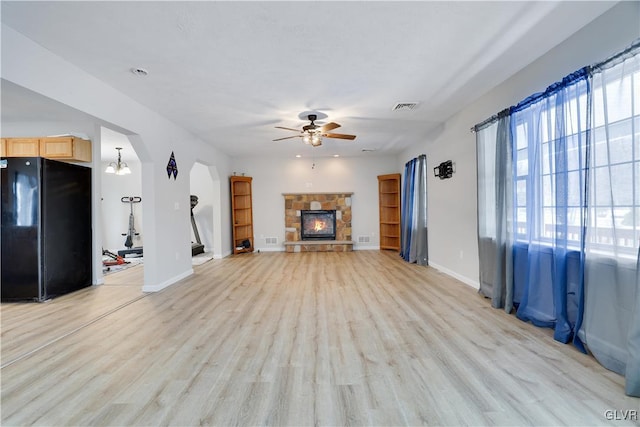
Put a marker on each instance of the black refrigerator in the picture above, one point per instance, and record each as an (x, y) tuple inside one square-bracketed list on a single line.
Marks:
[(46, 228)]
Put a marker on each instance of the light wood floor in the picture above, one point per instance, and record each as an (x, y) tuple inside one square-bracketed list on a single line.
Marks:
[(358, 338)]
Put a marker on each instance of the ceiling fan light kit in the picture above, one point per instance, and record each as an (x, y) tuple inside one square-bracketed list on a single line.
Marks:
[(312, 133)]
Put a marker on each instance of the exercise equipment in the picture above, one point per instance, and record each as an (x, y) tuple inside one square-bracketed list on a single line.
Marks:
[(109, 258), (197, 247), (128, 243)]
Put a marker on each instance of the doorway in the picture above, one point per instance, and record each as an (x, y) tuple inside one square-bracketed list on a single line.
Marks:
[(202, 187), (121, 202)]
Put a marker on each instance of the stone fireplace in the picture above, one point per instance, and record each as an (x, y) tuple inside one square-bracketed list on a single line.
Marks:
[(324, 207)]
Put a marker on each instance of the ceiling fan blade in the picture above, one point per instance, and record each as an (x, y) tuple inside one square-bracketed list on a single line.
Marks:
[(339, 136), (281, 127), (288, 137), (329, 126)]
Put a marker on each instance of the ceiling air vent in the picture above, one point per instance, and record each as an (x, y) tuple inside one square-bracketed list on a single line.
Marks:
[(139, 71), (401, 106)]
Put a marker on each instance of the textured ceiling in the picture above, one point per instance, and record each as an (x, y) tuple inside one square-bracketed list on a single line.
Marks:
[(231, 71)]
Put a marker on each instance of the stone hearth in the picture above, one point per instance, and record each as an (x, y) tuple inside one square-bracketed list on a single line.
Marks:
[(295, 202)]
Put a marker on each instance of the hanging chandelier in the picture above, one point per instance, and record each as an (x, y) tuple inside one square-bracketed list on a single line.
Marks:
[(119, 168)]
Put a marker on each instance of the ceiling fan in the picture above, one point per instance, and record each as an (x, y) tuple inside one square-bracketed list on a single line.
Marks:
[(313, 133)]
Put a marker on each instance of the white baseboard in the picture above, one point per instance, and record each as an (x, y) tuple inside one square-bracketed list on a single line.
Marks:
[(167, 283), (270, 249), (366, 248), (474, 284), (224, 255)]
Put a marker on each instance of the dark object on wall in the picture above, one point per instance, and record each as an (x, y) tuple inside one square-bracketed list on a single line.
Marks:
[(172, 167), (197, 247), (46, 228), (444, 170), (131, 233)]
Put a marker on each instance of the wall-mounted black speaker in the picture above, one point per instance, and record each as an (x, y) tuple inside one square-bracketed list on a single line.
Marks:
[(444, 170)]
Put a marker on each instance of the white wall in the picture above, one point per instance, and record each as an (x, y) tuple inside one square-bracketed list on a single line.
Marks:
[(46, 128), (273, 177), (166, 216), (452, 219)]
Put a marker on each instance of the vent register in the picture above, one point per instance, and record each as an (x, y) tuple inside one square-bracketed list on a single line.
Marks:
[(401, 106)]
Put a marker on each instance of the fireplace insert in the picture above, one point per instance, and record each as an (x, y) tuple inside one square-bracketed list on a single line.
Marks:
[(318, 225)]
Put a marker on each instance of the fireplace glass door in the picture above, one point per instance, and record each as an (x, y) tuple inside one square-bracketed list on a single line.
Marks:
[(318, 225)]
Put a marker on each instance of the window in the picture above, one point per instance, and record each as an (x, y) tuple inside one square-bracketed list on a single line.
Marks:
[(550, 139), (551, 164), (615, 180)]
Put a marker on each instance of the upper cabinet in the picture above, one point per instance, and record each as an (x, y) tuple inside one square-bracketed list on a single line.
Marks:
[(66, 148), (22, 147), (3, 147), (58, 148)]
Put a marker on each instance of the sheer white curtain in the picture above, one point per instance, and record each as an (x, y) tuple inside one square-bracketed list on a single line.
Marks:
[(611, 325), (495, 209)]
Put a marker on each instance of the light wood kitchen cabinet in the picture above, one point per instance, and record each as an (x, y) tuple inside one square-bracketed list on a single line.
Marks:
[(22, 147), (58, 148), (3, 147), (66, 148)]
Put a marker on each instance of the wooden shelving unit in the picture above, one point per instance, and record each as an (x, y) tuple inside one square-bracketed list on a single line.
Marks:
[(389, 202), (241, 213)]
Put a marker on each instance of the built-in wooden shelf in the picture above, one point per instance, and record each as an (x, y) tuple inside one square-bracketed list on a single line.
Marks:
[(241, 213), (389, 205)]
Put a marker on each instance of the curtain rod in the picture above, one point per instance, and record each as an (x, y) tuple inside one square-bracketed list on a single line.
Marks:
[(635, 45), (622, 54), (490, 120)]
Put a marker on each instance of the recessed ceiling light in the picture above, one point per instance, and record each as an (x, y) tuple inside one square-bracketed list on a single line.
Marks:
[(139, 71), (298, 155), (336, 155)]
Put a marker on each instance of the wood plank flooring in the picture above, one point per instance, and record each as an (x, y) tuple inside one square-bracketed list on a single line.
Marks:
[(354, 338)]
